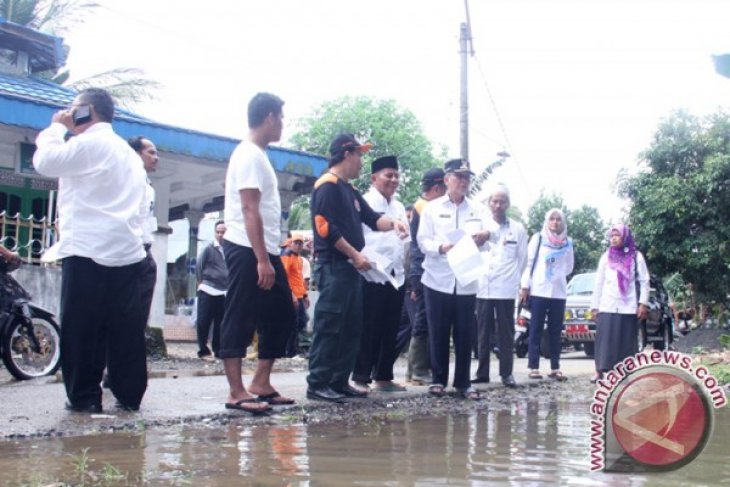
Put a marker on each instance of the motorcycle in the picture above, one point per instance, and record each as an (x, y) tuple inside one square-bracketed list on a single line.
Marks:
[(521, 331), (522, 334), (29, 335)]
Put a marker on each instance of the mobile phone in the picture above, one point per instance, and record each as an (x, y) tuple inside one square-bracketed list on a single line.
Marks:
[(81, 114)]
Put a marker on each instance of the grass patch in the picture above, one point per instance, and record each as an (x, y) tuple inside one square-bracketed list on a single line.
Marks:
[(721, 372)]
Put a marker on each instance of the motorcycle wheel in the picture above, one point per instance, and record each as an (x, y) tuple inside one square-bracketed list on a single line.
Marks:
[(18, 355), (666, 339)]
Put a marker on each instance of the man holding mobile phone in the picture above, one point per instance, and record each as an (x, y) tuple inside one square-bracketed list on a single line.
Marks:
[(100, 199)]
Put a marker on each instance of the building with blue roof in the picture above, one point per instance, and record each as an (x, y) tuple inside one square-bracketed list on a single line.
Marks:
[(189, 181)]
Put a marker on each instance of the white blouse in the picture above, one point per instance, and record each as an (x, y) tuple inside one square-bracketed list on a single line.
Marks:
[(606, 295), (543, 281)]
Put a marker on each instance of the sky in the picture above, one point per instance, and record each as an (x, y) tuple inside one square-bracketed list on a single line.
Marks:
[(573, 89)]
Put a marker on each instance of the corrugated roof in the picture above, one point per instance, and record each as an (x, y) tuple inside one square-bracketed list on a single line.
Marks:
[(29, 101), (45, 51)]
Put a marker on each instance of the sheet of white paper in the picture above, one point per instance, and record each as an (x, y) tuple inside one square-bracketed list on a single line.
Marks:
[(379, 268), (466, 261)]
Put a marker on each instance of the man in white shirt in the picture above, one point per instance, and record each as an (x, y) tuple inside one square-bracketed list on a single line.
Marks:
[(101, 194), (449, 303), (148, 272), (259, 298), (382, 303), (498, 289)]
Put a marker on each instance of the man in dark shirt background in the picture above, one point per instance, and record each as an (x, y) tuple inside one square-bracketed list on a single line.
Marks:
[(338, 212), (212, 277), (432, 187)]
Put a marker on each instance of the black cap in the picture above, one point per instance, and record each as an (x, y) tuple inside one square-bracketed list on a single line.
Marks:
[(347, 142), (457, 166), (431, 178), (385, 162)]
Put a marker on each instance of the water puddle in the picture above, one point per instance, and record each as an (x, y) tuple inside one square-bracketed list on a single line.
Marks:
[(531, 442)]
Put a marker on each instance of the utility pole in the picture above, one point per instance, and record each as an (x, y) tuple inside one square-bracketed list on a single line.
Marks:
[(464, 37)]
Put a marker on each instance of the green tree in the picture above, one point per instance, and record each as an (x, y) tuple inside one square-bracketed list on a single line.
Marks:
[(56, 17), (585, 228), (392, 129), (588, 232), (680, 211)]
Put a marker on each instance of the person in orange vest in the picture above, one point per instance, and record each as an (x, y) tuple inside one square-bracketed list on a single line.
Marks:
[(293, 265)]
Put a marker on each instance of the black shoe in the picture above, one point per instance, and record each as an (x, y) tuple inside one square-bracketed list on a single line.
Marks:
[(324, 394), (509, 381), (89, 408), (480, 380), (350, 391), (125, 407)]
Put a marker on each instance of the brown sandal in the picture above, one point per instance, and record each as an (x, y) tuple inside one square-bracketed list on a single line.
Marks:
[(436, 390), (557, 375), (535, 374)]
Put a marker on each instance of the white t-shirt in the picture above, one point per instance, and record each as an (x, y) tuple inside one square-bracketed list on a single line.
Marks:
[(250, 168)]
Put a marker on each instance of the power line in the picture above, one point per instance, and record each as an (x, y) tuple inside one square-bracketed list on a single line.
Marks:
[(500, 123)]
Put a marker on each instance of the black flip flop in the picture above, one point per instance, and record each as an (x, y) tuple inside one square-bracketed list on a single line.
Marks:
[(276, 399), (239, 406)]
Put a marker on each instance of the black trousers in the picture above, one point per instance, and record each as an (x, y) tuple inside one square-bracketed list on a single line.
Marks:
[(500, 312), (101, 325), (210, 312), (292, 345), (382, 305), (147, 280), (446, 312), (250, 309)]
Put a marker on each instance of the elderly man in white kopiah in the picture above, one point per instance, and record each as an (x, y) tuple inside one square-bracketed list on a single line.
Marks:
[(498, 289)]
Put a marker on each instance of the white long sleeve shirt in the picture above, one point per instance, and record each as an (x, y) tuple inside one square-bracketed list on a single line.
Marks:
[(101, 190), (388, 244), (149, 220), (561, 266), (507, 257), (440, 217), (606, 295)]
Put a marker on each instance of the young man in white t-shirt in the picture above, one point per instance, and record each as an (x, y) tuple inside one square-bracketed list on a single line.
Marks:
[(259, 297)]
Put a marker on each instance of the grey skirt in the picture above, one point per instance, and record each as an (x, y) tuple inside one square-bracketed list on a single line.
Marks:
[(616, 339)]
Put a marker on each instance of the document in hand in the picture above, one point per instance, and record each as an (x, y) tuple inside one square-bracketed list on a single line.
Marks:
[(379, 268), (466, 260)]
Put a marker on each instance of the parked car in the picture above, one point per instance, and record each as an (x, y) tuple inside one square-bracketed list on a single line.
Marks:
[(580, 327)]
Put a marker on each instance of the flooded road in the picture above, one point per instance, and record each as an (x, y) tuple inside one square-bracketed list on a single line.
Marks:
[(530, 442)]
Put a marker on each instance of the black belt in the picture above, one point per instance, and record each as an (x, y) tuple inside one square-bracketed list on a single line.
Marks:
[(147, 247)]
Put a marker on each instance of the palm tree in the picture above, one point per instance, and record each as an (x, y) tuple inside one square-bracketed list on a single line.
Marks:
[(299, 215), (481, 178), (56, 17)]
